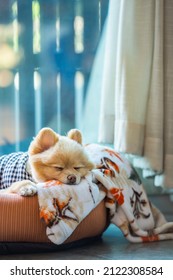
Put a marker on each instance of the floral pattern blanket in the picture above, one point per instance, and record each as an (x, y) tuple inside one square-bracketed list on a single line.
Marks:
[(63, 207)]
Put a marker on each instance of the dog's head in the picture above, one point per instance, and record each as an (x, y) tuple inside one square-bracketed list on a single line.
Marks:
[(55, 157)]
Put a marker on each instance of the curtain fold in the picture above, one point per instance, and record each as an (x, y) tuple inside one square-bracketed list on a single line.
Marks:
[(127, 68), (168, 89), (137, 87)]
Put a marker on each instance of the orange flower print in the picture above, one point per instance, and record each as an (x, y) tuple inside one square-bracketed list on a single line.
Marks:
[(47, 216), (112, 165), (52, 183), (150, 238), (108, 172), (109, 200), (108, 164), (113, 153), (118, 195)]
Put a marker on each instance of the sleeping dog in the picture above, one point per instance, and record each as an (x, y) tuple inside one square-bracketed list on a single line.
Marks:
[(49, 157)]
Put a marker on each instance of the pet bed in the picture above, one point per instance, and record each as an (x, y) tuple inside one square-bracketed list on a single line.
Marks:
[(75, 213), (22, 230)]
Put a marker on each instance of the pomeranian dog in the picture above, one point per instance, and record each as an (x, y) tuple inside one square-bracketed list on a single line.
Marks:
[(50, 157)]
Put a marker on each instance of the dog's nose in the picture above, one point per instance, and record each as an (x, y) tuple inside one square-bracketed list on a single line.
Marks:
[(71, 178)]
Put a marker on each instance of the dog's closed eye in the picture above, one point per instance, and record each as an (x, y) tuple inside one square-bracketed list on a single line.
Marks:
[(78, 167), (58, 168)]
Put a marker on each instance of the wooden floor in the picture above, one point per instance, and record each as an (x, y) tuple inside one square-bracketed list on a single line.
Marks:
[(112, 246)]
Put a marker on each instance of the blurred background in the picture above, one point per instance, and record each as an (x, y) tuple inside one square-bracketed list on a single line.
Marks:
[(47, 50)]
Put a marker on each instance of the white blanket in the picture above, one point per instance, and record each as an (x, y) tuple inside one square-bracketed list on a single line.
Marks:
[(63, 207)]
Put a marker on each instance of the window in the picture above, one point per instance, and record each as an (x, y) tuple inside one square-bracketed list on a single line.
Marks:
[(47, 49)]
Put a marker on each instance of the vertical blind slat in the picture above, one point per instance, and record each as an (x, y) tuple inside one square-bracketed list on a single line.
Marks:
[(58, 39)]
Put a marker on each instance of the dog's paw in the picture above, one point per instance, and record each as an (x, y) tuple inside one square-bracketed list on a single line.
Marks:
[(29, 190)]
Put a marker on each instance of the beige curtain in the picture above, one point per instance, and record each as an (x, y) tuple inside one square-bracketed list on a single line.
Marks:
[(137, 86)]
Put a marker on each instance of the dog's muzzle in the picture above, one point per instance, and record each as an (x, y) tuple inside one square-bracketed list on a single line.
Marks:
[(71, 179)]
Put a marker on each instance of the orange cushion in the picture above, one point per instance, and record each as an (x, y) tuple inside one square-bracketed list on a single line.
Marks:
[(20, 221)]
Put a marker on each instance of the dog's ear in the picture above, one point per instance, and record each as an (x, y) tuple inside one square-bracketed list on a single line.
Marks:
[(45, 139), (90, 165), (75, 135)]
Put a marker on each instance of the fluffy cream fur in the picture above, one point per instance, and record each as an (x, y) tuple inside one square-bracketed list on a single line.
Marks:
[(52, 156)]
